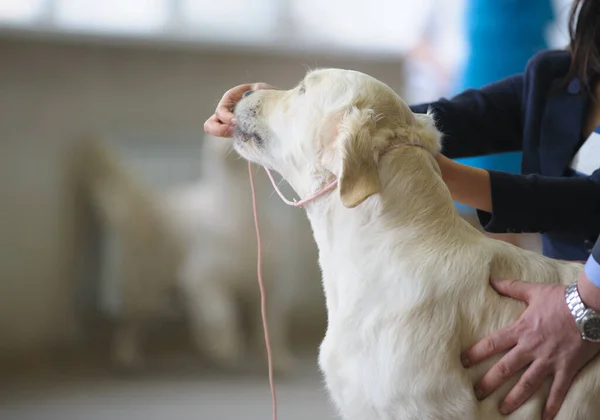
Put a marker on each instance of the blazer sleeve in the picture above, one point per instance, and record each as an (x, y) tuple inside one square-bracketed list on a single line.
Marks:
[(534, 203), (480, 121)]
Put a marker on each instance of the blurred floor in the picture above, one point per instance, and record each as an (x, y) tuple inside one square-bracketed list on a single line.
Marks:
[(173, 392)]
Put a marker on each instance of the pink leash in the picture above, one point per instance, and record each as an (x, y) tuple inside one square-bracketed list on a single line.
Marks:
[(307, 199), (261, 284)]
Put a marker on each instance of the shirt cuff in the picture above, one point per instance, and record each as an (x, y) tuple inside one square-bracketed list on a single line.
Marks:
[(592, 271)]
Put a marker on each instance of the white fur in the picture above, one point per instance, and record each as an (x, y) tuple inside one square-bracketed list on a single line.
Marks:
[(199, 242), (406, 279)]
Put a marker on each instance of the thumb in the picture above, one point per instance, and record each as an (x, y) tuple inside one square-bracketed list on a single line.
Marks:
[(515, 289)]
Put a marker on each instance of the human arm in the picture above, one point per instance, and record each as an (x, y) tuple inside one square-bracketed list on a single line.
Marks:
[(482, 121), (525, 203), (468, 185)]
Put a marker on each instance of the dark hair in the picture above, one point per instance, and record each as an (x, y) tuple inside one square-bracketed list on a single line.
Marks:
[(584, 30)]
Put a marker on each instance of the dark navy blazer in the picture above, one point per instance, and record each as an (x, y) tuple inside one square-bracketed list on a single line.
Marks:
[(540, 114)]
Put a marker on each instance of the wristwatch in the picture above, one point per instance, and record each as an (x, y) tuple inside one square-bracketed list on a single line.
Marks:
[(586, 319)]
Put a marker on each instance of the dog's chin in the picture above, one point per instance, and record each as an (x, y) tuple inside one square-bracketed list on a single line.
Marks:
[(244, 135), (245, 146)]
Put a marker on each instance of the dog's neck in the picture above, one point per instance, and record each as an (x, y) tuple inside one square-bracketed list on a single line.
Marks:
[(412, 215), (413, 197)]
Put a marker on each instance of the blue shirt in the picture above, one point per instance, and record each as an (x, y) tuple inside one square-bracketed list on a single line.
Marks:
[(592, 266)]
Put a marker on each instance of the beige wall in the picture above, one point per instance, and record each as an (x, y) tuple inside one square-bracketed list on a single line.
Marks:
[(50, 93)]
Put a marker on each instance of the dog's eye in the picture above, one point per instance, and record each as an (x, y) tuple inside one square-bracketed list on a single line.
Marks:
[(302, 89)]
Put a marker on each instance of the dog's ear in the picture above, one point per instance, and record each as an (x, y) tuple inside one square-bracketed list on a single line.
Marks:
[(358, 178)]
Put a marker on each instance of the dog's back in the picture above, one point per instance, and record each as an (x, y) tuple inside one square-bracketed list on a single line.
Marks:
[(484, 311)]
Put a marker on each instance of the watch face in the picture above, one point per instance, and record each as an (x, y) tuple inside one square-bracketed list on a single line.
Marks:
[(591, 328)]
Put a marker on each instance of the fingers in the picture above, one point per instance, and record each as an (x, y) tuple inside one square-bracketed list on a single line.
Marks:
[(514, 288), (528, 384), (495, 343), (217, 128), (224, 114), (558, 392), (258, 86), (227, 103), (501, 372), (232, 97), (222, 123)]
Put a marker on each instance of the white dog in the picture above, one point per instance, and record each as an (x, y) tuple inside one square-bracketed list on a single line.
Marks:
[(406, 279), (199, 242)]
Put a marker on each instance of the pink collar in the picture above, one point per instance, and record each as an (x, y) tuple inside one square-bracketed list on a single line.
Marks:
[(329, 187)]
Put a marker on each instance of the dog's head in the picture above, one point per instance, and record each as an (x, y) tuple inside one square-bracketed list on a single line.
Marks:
[(332, 125)]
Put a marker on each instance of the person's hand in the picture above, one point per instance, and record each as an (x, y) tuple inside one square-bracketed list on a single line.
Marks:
[(222, 122), (544, 339)]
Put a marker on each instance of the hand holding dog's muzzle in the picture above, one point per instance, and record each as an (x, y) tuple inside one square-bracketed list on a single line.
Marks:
[(222, 122)]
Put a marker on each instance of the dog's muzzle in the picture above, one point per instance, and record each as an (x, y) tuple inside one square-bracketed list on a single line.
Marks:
[(245, 135)]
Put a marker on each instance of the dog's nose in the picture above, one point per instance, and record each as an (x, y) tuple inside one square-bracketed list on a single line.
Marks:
[(247, 93)]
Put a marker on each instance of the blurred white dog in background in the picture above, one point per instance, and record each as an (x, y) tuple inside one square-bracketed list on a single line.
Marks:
[(199, 241)]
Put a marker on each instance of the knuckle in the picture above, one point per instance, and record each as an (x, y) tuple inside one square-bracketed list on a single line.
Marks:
[(539, 341), (503, 370), (521, 324), (521, 330), (512, 283), (527, 386), (490, 345), (545, 367)]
